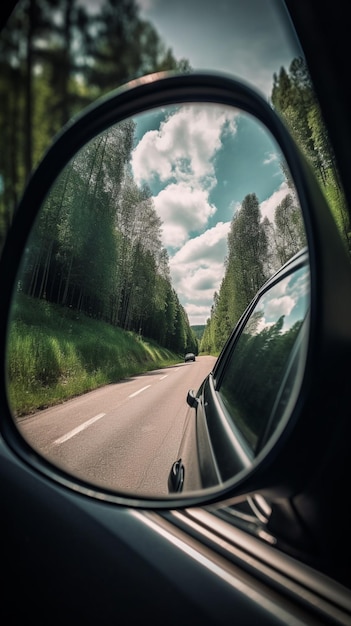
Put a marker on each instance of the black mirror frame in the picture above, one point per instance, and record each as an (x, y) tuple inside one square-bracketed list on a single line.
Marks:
[(326, 256)]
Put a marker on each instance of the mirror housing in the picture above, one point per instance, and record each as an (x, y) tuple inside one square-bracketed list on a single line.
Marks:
[(191, 399), (308, 429)]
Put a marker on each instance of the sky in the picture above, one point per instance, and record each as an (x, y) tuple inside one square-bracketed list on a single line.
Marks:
[(250, 39), (200, 164)]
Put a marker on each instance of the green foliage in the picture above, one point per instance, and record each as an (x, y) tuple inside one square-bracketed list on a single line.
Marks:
[(198, 330), (96, 246), (121, 35), (54, 353), (244, 275), (247, 247), (56, 58), (289, 233), (294, 99)]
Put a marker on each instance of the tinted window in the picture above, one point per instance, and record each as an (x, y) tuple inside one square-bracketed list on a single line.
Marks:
[(264, 357)]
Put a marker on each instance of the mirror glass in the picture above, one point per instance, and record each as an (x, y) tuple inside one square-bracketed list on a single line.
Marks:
[(126, 271)]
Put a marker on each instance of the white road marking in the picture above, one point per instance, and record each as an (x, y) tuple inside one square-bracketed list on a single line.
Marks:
[(140, 390), (77, 430)]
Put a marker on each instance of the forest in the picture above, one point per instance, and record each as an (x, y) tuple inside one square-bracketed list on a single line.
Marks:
[(56, 58), (97, 248), (103, 256)]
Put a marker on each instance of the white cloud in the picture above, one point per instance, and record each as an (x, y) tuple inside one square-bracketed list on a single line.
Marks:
[(197, 314), (182, 149), (183, 210), (268, 206), (276, 307), (270, 158), (197, 270), (212, 244)]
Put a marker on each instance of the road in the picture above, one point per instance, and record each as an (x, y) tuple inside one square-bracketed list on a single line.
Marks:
[(123, 436)]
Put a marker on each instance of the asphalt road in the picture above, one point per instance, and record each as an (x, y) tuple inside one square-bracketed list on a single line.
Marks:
[(124, 436)]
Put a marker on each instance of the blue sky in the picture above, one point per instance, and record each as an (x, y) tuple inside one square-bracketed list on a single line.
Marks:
[(250, 39)]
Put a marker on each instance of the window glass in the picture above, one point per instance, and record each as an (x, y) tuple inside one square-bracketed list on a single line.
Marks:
[(264, 356)]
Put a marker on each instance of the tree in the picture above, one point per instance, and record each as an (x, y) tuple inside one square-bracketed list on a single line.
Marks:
[(71, 57), (124, 47), (294, 99), (244, 273), (289, 229), (247, 251)]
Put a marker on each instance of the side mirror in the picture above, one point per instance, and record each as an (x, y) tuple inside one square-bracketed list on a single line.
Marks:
[(86, 241), (192, 399)]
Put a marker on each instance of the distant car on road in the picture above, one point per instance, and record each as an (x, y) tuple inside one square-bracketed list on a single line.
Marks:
[(190, 356)]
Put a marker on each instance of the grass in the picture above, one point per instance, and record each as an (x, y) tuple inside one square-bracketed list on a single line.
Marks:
[(55, 354)]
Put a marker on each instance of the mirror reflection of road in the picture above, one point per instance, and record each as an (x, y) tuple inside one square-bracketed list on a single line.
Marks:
[(124, 436)]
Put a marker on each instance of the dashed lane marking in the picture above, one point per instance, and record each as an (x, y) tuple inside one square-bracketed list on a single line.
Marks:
[(77, 430)]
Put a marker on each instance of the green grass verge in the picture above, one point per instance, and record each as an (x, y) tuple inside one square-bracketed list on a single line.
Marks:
[(55, 354), (337, 203)]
